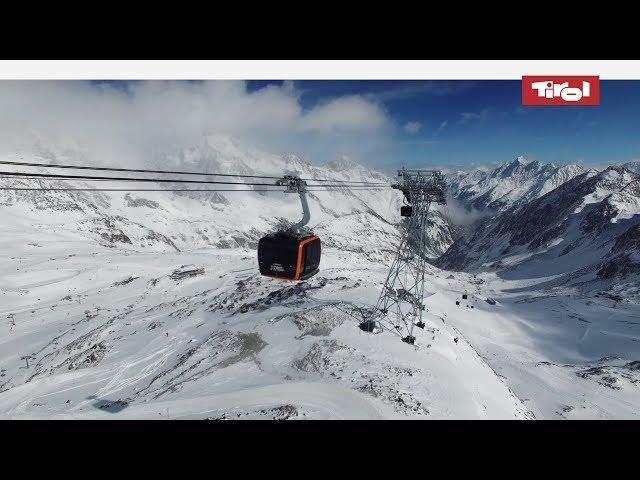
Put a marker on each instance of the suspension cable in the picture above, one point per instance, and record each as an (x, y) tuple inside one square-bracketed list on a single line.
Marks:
[(54, 189), (126, 179), (160, 180), (174, 172)]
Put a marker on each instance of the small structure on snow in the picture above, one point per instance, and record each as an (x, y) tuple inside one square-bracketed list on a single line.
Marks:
[(185, 271)]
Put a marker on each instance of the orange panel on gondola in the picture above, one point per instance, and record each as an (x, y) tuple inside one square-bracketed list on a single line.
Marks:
[(290, 257)]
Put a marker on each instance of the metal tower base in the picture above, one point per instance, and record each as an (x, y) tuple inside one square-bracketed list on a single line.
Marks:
[(367, 326)]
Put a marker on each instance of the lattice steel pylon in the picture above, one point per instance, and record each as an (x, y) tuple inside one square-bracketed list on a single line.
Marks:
[(401, 302)]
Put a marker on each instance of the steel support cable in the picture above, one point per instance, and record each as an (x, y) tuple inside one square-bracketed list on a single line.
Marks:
[(173, 172), (276, 188), (128, 179), (165, 189), (159, 180), (30, 178), (55, 189)]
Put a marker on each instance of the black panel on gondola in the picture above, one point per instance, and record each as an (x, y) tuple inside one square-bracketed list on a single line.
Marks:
[(406, 211), (288, 256)]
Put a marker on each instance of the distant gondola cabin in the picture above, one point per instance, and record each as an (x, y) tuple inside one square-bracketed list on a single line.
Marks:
[(288, 256)]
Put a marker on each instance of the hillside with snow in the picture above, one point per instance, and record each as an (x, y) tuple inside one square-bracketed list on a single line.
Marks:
[(584, 233), (149, 304)]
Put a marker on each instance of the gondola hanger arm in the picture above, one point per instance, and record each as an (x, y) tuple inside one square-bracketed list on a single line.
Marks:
[(295, 184)]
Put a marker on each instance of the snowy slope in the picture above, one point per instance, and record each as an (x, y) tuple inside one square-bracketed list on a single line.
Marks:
[(108, 334), (566, 356)]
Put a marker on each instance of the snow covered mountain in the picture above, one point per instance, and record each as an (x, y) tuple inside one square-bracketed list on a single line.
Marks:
[(101, 321), (351, 219), (512, 183), (584, 232)]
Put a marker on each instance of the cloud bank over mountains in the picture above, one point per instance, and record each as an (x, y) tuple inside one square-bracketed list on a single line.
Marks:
[(127, 122)]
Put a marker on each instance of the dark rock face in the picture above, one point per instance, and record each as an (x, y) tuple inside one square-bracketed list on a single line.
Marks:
[(598, 218), (158, 237), (624, 257), (609, 269), (569, 248), (140, 202), (455, 258), (619, 266), (119, 236), (547, 213), (629, 240)]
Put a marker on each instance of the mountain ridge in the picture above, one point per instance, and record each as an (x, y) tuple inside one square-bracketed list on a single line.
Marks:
[(343, 216), (518, 181), (591, 221)]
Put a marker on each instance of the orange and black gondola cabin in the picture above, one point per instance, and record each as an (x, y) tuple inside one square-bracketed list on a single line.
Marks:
[(288, 256)]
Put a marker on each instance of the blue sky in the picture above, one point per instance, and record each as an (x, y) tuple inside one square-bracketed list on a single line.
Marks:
[(383, 124), (479, 122)]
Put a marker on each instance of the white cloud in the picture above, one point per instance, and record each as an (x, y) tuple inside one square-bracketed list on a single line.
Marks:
[(459, 215), (467, 117), (128, 120), (412, 127), (351, 113), (407, 90)]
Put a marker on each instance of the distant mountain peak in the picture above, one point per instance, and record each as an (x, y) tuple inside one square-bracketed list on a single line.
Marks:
[(518, 181), (294, 161), (633, 166), (342, 163)]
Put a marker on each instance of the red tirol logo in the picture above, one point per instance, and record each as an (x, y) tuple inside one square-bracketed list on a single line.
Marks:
[(560, 90)]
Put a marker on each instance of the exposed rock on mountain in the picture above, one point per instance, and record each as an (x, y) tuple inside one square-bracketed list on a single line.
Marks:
[(591, 221), (511, 183)]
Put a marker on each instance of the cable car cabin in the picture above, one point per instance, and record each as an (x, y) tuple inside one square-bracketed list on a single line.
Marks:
[(288, 256), (406, 210)]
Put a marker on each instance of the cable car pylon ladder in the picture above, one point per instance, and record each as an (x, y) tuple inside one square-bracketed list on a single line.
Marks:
[(401, 303)]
